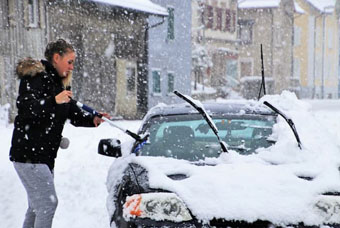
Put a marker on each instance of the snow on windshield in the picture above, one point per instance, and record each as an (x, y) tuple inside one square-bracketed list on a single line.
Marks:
[(269, 185)]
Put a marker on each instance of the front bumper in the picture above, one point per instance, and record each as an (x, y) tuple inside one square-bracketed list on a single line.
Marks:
[(216, 223)]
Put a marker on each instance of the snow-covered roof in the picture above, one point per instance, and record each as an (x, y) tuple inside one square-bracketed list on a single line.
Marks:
[(326, 6), (145, 6), (298, 8), (244, 4)]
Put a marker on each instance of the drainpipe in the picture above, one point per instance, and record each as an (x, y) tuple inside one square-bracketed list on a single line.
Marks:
[(323, 58), (272, 52), (314, 58), (293, 50), (323, 14), (142, 98)]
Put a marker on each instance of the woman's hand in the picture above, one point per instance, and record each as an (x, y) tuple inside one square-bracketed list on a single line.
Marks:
[(97, 121), (63, 97)]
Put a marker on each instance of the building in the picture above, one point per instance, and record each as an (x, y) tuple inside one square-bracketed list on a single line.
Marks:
[(169, 52), (316, 49), (214, 38), (110, 40), (270, 24)]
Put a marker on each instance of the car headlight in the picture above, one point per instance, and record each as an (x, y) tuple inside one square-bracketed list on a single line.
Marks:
[(156, 206)]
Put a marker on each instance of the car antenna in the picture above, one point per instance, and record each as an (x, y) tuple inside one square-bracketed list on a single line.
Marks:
[(205, 115), (263, 84)]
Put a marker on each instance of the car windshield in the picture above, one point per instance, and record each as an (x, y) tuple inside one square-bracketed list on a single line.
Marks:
[(189, 137)]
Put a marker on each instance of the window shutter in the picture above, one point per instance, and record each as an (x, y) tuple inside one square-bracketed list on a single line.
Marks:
[(227, 20)]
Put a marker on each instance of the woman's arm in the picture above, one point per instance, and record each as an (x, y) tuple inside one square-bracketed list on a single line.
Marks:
[(32, 101), (80, 118)]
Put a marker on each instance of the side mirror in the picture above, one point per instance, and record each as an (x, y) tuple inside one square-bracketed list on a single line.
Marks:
[(110, 147)]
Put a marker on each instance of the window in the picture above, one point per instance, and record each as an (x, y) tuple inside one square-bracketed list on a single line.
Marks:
[(171, 24), (230, 20), (130, 80), (231, 72), (233, 21), (171, 82), (246, 68), (227, 20), (209, 17), (172, 135), (33, 13), (246, 31), (218, 19), (156, 81)]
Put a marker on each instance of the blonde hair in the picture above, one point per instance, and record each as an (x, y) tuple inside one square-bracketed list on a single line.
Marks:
[(67, 81)]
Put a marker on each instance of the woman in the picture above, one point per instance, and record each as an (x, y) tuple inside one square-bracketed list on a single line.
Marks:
[(43, 107)]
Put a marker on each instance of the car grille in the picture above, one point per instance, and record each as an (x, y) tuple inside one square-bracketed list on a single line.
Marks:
[(219, 223)]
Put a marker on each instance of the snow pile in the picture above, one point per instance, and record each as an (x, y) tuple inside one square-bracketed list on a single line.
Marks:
[(202, 89), (80, 177), (81, 174), (200, 57), (139, 5), (243, 4), (298, 8), (282, 184), (326, 6), (317, 144), (326, 112), (4, 118)]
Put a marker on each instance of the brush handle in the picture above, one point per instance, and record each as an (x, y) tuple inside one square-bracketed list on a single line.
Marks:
[(88, 109)]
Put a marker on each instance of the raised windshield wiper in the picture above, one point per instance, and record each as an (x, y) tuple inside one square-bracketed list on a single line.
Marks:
[(205, 115), (289, 121)]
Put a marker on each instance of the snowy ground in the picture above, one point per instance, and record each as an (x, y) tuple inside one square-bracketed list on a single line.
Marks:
[(80, 173), (80, 177)]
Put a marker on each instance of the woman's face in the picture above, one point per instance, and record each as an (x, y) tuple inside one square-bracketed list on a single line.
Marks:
[(64, 64)]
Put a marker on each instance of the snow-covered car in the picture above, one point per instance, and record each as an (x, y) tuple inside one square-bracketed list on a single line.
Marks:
[(238, 166)]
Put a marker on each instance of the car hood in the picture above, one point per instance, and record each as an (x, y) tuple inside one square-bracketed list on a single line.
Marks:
[(247, 190)]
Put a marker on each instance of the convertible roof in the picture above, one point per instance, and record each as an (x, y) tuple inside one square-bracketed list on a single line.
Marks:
[(227, 107)]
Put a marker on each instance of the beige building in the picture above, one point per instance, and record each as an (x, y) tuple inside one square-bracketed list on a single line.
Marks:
[(214, 36), (316, 49), (111, 66), (269, 23)]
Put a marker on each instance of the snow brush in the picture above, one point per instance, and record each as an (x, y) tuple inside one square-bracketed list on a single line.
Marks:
[(94, 112)]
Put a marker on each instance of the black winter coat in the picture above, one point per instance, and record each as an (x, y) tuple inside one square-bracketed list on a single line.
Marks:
[(40, 121)]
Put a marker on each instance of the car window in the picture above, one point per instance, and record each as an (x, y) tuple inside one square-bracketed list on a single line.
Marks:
[(190, 137)]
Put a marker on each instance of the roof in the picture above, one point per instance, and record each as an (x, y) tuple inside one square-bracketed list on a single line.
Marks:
[(326, 6), (235, 107), (246, 4), (145, 6), (298, 8)]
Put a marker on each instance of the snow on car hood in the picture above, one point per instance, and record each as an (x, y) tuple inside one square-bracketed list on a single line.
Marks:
[(281, 184), (242, 190)]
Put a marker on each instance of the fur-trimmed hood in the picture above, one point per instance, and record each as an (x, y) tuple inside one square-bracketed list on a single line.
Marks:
[(29, 67)]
